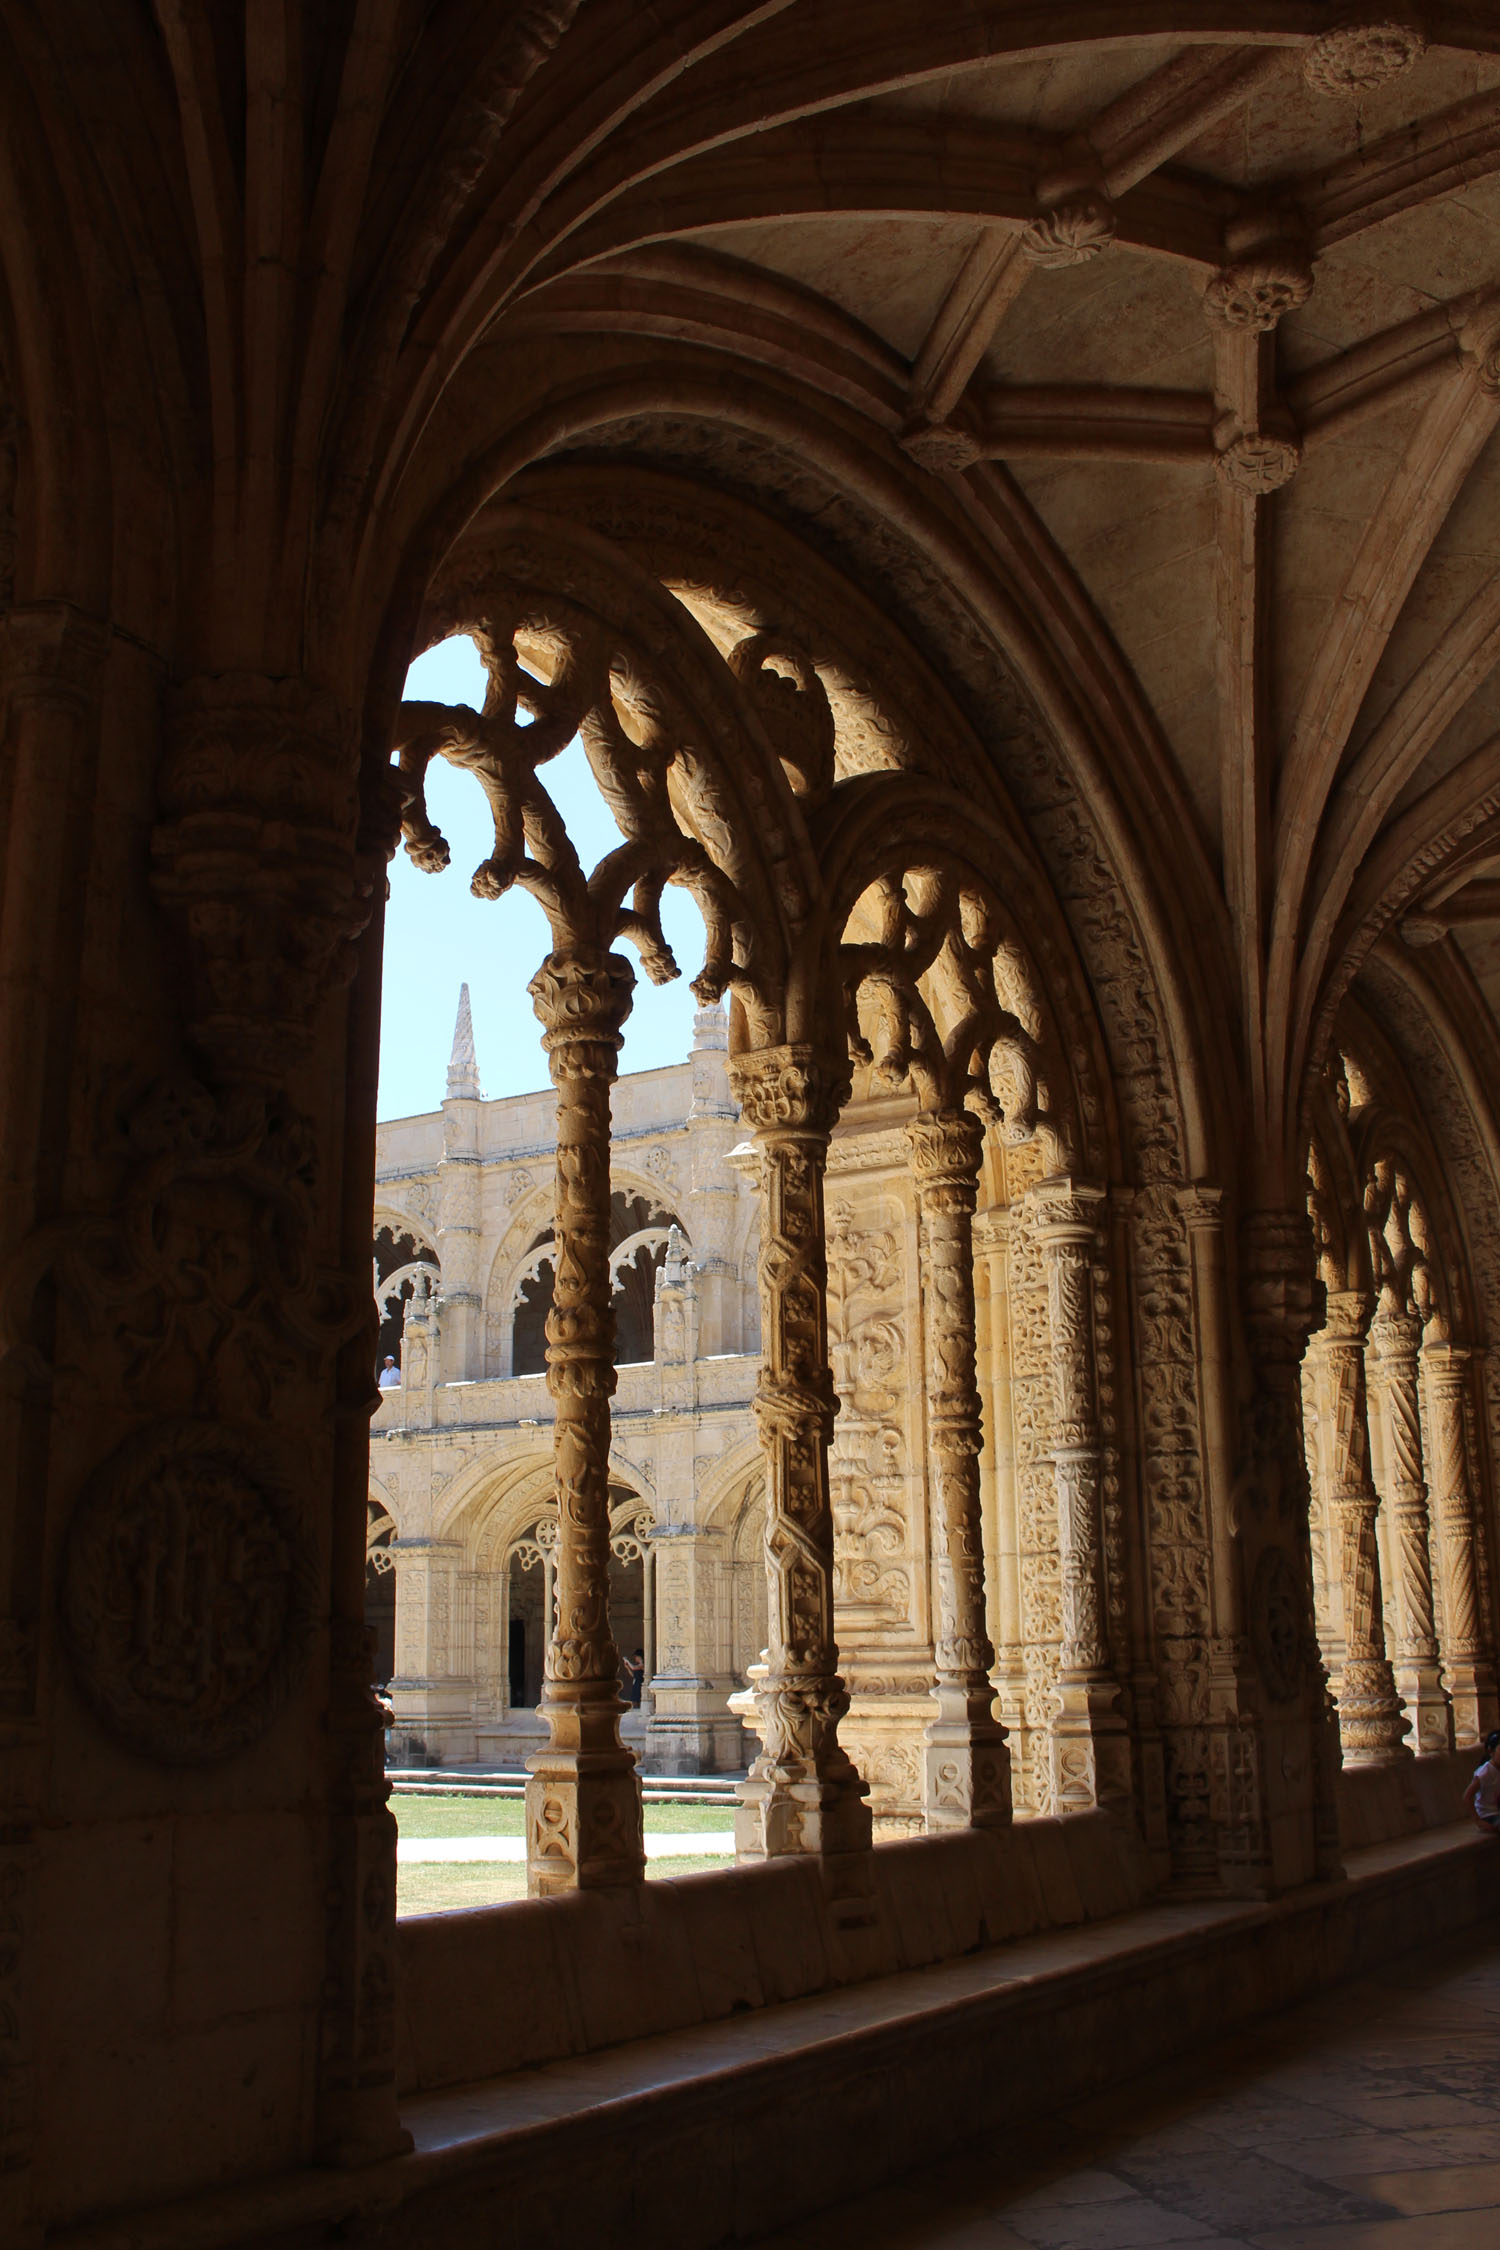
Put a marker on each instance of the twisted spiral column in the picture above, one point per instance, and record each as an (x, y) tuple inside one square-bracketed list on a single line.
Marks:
[(802, 1794), (1371, 1727), (1090, 1747), (1391, 1374), (1467, 1655), (583, 1801), (967, 1782)]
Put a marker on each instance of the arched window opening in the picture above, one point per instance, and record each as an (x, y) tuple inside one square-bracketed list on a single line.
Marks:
[(380, 1590), (639, 1231), (404, 1264)]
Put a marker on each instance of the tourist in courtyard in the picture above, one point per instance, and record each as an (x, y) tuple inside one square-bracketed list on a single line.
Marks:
[(390, 1375), (1483, 1792)]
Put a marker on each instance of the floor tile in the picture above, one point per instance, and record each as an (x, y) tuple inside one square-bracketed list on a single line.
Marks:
[(1457, 2187), (1454, 2230), (1360, 2121)]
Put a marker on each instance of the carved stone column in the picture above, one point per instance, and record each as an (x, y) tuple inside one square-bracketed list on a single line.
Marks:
[(1391, 1370), (1468, 1667), (583, 1801), (967, 1766), (803, 1794), (1371, 1728), (1090, 1747), (1281, 1790)]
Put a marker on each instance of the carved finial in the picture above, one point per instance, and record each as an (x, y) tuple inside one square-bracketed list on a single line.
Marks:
[(463, 1065), (1355, 58)]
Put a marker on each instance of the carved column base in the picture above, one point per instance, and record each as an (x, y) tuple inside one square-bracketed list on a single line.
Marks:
[(776, 1818), (1372, 1729), (1090, 1748), (966, 1763), (1419, 1683), (802, 1794), (583, 1801), (1470, 1683)]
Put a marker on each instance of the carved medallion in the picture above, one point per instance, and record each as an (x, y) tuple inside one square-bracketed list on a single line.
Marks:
[(1257, 463), (187, 1592), (1276, 1624), (1355, 58)]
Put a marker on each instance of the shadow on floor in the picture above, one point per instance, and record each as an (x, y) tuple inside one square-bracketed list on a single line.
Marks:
[(1366, 2119)]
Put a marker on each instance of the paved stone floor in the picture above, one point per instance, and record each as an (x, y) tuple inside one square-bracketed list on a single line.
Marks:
[(1368, 2119)]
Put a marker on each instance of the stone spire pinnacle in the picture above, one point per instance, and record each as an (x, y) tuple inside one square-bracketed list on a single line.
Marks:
[(463, 1066)]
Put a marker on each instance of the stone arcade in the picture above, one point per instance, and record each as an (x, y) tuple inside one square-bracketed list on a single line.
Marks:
[(1009, 500)]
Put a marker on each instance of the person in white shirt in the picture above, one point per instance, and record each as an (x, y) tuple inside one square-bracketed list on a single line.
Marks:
[(1483, 1792), (390, 1375)]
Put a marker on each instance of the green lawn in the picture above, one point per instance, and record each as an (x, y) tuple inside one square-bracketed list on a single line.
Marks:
[(438, 1889), (505, 1816)]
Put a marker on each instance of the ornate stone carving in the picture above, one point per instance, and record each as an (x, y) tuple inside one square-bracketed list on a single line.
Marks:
[(942, 446), (259, 860), (187, 1592), (967, 1764), (802, 1793), (1445, 1372), (1090, 1754), (1277, 1635), (867, 1463), (1358, 58), (1392, 1362), (1257, 463), (1370, 1723), (583, 1798), (1255, 292), (1070, 233)]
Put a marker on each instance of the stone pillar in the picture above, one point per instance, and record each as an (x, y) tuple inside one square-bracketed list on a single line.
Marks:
[(1468, 1668), (966, 1763), (802, 1795), (1282, 1790), (583, 1801), (1090, 1748), (1371, 1728), (1391, 1374), (648, 1628)]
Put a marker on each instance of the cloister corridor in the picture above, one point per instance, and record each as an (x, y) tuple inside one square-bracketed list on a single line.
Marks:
[(1368, 2119)]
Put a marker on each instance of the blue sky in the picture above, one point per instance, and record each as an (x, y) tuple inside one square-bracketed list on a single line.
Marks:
[(437, 935)]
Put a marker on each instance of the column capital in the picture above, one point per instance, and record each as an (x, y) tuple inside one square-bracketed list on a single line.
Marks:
[(789, 1089), (1346, 1317), (946, 1149), (1202, 1207), (1067, 1210), (582, 996)]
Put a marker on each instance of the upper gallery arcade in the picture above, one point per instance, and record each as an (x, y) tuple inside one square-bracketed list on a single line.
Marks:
[(1008, 502)]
